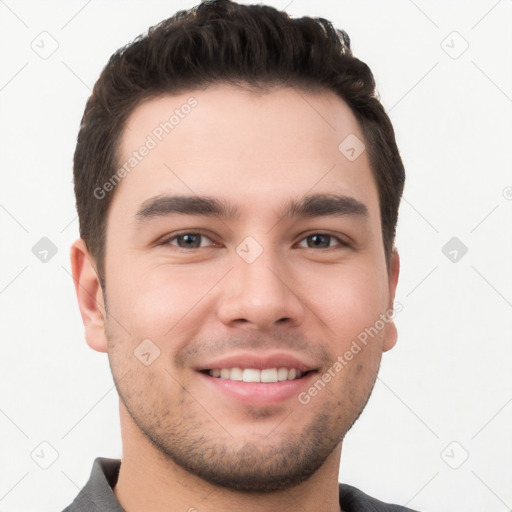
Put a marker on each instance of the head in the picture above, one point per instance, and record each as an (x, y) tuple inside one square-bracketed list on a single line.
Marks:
[(237, 184)]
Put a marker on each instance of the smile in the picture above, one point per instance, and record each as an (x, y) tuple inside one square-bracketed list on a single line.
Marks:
[(266, 375)]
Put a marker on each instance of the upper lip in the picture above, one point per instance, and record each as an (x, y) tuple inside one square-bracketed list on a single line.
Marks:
[(258, 361)]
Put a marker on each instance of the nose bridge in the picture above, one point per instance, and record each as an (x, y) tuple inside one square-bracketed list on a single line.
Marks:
[(261, 278), (258, 292)]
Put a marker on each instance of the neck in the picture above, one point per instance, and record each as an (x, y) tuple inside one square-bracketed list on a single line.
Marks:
[(148, 480)]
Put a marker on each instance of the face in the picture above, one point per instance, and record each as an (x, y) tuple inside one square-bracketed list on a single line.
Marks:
[(244, 260)]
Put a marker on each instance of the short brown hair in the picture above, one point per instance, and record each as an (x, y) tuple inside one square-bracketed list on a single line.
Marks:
[(255, 47)]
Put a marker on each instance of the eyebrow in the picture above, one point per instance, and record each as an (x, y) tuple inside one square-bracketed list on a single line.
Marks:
[(314, 205), (318, 205)]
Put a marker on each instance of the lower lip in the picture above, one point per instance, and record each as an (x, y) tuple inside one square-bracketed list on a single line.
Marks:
[(262, 394)]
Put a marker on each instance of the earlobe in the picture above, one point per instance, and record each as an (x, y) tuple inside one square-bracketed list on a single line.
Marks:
[(89, 295), (394, 271)]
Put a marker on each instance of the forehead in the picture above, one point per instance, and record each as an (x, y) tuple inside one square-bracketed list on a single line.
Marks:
[(227, 142)]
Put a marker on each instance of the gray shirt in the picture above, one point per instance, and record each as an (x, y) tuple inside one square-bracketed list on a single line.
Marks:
[(98, 496)]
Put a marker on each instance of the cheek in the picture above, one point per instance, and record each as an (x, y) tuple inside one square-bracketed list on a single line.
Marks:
[(349, 301), (151, 302)]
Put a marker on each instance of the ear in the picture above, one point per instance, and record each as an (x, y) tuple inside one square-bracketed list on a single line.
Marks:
[(394, 271), (89, 295)]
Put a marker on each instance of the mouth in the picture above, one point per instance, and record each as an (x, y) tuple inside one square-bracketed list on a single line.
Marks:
[(257, 380), (265, 375)]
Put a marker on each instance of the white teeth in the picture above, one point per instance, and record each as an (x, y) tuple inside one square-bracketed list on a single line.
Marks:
[(251, 375), (255, 375), (268, 375), (282, 374), (236, 374)]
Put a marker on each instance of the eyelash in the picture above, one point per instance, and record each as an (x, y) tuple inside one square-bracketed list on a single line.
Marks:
[(341, 243)]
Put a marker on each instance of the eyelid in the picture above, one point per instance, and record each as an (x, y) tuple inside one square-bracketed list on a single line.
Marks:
[(165, 240), (342, 242)]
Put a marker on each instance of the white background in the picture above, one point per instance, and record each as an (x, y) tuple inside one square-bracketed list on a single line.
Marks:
[(447, 380)]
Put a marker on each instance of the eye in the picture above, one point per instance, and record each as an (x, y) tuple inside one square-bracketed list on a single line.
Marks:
[(321, 241), (188, 241)]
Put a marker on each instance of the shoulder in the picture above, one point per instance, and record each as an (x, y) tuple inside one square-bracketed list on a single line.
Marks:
[(354, 500), (97, 495)]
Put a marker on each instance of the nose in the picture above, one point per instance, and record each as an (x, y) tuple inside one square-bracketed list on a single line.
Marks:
[(260, 294)]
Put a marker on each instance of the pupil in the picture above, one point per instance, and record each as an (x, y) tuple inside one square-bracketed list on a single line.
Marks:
[(317, 240), (189, 238)]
